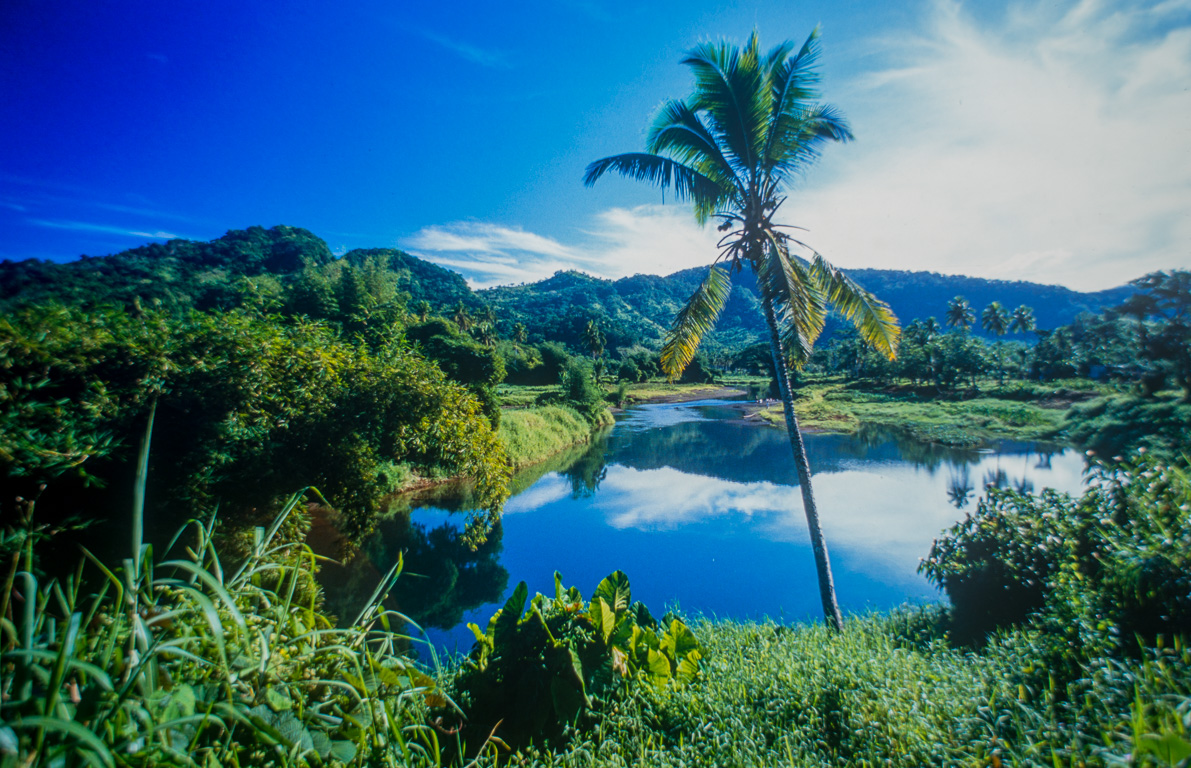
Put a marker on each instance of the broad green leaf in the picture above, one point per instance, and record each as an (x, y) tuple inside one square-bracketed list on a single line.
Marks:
[(680, 640), (642, 615), (278, 698), (607, 621), (505, 623), (657, 667), (344, 751), (688, 668), (322, 743), (567, 698), (615, 590)]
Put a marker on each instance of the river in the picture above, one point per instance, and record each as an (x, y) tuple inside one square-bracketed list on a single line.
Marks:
[(701, 510)]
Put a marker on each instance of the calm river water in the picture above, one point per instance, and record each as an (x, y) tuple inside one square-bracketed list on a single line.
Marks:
[(701, 510)]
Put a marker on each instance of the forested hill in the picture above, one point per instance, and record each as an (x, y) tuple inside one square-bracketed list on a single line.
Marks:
[(640, 307), (288, 262), (294, 268)]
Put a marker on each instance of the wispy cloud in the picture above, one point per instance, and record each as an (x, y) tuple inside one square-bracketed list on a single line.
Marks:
[(1050, 147), (107, 229), (485, 57)]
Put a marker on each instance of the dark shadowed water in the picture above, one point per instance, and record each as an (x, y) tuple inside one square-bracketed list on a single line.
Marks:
[(702, 510)]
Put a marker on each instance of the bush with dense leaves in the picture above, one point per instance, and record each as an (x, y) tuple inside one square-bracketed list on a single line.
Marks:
[(249, 407), (1115, 562)]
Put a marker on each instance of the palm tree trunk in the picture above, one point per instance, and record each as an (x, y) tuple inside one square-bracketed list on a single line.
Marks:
[(831, 612)]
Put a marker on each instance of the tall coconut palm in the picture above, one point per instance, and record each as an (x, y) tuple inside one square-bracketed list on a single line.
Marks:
[(746, 133), (1022, 320), (960, 314), (995, 320)]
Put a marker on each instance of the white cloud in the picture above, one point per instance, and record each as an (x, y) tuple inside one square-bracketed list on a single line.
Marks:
[(1051, 145), (1047, 149), (621, 241)]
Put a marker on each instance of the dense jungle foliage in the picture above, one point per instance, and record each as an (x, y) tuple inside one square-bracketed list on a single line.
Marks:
[(268, 365), (191, 660)]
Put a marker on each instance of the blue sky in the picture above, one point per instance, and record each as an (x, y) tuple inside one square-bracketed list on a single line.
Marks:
[(1047, 141)]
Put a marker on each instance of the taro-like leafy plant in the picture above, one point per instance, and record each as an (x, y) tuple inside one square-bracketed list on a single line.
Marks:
[(546, 664)]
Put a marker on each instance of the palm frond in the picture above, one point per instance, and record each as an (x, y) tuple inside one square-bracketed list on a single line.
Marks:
[(686, 182), (693, 321), (792, 84), (872, 317), (728, 90), (798, 303), (677, 131), (798, 137)]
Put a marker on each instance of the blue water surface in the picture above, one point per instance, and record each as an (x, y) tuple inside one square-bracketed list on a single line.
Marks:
[(702, 510)]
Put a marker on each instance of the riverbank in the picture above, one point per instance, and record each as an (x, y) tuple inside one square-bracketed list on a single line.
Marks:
[(532, 435), (961, 419)]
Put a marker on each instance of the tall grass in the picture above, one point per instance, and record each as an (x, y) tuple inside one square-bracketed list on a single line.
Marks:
[(533, 434), (186, 660)]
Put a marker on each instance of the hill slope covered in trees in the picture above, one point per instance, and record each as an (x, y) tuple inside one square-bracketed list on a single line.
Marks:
[(294, 268)]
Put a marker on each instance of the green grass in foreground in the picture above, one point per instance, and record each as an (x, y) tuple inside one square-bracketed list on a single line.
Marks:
[(888, 691)]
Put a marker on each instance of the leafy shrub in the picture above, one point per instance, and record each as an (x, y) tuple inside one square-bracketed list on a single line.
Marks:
[(249, 407), (1116, 561), (535, 672)]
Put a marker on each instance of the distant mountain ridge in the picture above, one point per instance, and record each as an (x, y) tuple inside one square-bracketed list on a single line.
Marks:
[(629, 310), (642, 306)]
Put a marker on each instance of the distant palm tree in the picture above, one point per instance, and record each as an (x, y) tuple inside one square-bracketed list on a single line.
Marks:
[(520, 334), (995, 320), (423, 310), (485, 333), (462, 317), (960, 314), (1022, 320), (594, 338), (745, 134)]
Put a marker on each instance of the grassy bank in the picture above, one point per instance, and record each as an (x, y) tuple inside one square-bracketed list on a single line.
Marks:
[(1022, 412), (530, 435)]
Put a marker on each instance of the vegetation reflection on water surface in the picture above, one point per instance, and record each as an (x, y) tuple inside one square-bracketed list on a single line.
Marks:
[(699, 508)]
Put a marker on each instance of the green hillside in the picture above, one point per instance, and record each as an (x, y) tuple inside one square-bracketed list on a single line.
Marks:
[(295, 269)]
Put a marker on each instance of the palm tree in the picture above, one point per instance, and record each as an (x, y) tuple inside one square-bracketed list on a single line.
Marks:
[(746, 132), (959, 313), (995, 320), (462, 317), (1022, 320), (594, 338), (520, 333)]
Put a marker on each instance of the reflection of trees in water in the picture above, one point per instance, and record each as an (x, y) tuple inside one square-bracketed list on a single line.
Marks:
[(959, 487), (996, 478), (587, 473), (440, 580)]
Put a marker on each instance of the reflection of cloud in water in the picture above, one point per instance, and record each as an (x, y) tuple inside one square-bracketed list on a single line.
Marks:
[(887, 515), (663, 499), (549, 489)]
